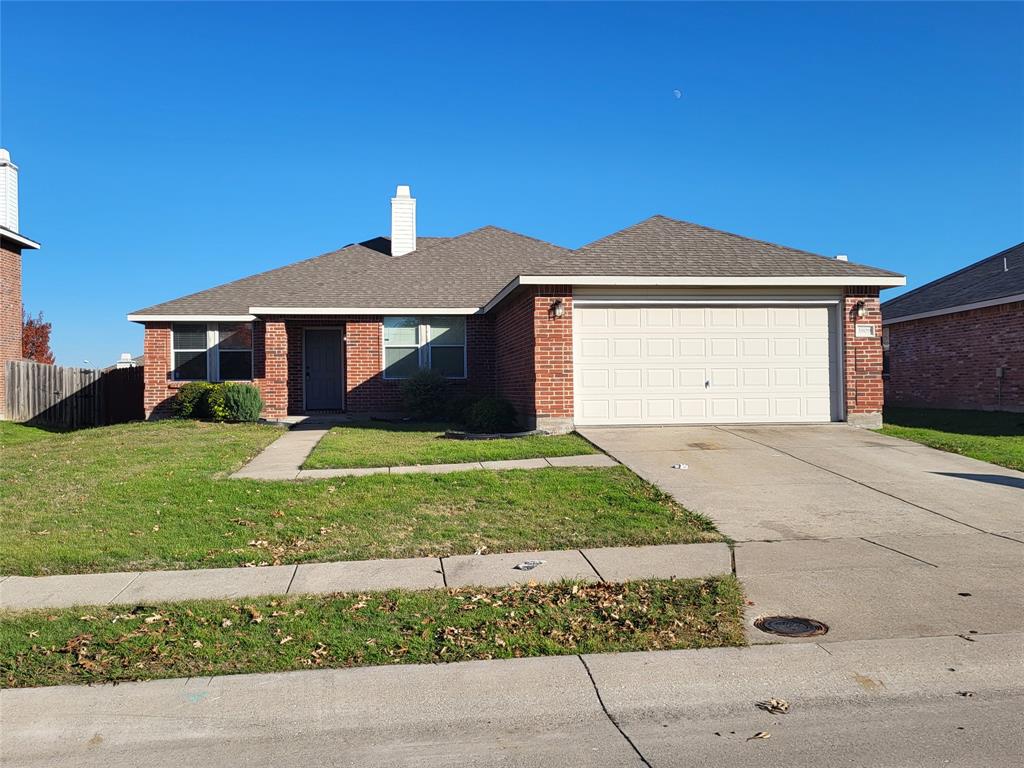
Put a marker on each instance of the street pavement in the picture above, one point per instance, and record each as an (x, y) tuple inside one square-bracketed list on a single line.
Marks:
[(854, 703)]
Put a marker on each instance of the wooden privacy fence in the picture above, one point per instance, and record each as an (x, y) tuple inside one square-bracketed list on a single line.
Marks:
[(60, 396)]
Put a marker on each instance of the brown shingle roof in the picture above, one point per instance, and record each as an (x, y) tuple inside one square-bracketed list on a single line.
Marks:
[(469, 270)]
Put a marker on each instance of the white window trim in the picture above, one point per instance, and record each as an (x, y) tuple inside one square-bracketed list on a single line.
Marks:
[(423, 350), (212, 355)]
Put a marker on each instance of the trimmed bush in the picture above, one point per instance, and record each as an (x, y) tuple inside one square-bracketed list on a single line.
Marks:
[(216, 408), (190, 400), (492, 414), (458, 407), (425, 395), (242, 402)]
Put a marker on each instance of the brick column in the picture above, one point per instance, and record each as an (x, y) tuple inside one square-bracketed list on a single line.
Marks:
[(156, 346), (364, 392), (552, 359), (270, 362), (862, 364), (10, 315)]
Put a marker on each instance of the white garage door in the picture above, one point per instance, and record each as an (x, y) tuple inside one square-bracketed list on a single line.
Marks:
[(696, 364)]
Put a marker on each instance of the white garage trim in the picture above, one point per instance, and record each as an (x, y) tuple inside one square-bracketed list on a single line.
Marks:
[(688, 360)]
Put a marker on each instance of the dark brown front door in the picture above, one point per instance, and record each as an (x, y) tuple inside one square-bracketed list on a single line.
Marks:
[(324, 369)]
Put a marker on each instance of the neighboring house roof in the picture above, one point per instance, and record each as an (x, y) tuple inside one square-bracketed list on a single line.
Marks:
[(994, 280), (466, 272)]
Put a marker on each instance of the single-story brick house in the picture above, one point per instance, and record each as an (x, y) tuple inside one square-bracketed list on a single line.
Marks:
[(664, 322), (958, 342)]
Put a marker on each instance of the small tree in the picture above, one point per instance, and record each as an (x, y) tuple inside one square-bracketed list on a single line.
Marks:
[(35, 339)]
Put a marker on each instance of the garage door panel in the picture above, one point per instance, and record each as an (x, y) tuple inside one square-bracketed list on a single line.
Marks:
[(672, 365)]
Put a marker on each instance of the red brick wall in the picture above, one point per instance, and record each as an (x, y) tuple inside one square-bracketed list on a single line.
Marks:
[(533, 354), (513, 351), (278, 364), (552, 351), (950, 361), (156, 346), (862, 364), (10, 315)]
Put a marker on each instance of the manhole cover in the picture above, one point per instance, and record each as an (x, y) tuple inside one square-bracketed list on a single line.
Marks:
[(790, 626)]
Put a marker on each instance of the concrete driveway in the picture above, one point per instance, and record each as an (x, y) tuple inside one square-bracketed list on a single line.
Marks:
[(876, 536)]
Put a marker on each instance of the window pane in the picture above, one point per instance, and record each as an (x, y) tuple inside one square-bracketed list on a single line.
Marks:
[(235, 335), (448, 330), (448, 361), (401, 330), (190, 335), (190, 365), (401, 362), (235, 366)]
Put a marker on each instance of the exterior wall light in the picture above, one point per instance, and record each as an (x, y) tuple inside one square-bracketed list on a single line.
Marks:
[(861, 309), (558, 308)]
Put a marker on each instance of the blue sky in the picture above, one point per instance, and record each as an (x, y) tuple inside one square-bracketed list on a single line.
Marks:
[(168, 147)]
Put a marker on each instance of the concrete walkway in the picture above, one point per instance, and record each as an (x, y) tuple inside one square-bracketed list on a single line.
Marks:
[(878, 703), (283, 459), (608, 564), (875, 536)]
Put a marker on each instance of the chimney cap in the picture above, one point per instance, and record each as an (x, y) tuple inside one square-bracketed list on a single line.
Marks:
[(5, 156), (403, 191)]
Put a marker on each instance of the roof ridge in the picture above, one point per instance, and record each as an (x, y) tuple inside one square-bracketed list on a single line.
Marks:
[(623, 231), (944, 278)]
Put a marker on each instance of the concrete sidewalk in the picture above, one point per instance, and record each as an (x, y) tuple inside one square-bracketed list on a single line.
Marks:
[(283, 459), (892, 703), (610, 564)]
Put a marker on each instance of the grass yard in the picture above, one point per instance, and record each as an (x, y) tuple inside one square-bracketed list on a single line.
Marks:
[(993, 436), (112, 643), (390, 445), (150, 496)]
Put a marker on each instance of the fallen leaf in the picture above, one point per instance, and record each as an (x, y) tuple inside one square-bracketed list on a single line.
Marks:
[(284, 640), (760, 735), (197, 644), (774, 706), (226, 623)]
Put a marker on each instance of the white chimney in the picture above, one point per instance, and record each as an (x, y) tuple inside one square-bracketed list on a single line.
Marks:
[(403, 222), (842, 257), (8, 192)]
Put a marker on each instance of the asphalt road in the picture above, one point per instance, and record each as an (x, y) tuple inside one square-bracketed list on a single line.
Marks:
[(877, 703)]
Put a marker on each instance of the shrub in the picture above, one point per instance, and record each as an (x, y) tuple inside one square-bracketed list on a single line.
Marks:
[(216, 408), (492, 414), (458, 407), (190, 401), (242, 402), (425, 395)]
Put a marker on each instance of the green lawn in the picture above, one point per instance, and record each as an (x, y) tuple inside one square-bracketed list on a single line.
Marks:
[(111, 643), (390, 445), (993, 436), (150, 496)]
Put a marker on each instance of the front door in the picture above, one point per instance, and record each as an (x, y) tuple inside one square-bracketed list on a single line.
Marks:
[(325, 369)]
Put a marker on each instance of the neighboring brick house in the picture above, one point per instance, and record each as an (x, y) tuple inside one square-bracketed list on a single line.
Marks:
[(12, 243), (958, 342), (664, 322)]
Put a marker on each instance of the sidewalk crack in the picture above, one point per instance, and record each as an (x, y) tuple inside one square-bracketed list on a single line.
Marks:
[(608, 714), (444, 576), (898, 552), (291, 581), (122, 589), (592, 566)]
